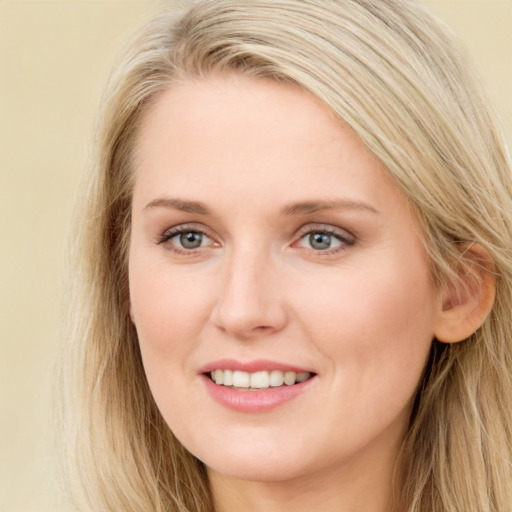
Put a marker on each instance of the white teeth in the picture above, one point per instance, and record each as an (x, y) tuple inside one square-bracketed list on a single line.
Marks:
[(257, 380), (260, 380), (228, 377), (290, 378), (240, 379), (218, 377), (276, 378)]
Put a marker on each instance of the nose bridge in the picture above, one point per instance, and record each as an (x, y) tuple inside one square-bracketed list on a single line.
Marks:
[(248, 303)]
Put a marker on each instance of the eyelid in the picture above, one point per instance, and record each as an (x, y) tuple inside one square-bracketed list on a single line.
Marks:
[(171, 232), (327, 228)]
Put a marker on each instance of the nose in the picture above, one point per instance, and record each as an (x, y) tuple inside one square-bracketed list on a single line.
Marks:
[(250, 302)]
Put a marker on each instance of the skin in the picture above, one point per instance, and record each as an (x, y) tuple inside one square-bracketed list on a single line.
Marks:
[(361, 315)]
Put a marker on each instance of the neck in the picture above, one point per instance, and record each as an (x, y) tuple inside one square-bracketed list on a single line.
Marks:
[(358, 486)]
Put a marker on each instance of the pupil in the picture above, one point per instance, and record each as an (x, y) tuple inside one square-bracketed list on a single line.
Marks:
[(320, 241), (191, 240)]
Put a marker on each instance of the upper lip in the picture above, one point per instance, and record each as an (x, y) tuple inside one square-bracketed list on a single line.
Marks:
[(256, 365)]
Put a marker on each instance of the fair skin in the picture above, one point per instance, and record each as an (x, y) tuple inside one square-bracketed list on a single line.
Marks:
[(263, 229)]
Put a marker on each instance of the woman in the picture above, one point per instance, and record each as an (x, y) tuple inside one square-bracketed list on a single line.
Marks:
[(295, 270)]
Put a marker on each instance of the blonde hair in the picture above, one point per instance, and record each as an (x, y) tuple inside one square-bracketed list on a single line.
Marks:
[(396, 77)]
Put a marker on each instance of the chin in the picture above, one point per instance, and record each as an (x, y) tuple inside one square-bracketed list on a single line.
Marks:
[(268, 470), (265, 461)]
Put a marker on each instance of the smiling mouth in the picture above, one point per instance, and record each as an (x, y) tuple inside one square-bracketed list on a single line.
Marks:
[(245, 381)]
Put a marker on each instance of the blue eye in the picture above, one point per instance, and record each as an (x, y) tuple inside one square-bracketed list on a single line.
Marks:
[(323, 240), (320, 241), (190, 239), (184, 239)]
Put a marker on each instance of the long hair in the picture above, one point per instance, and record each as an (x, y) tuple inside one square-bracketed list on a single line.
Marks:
[(394, 74)]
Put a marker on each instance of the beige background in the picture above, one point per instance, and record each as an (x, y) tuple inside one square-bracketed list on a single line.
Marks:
[(54, 57)]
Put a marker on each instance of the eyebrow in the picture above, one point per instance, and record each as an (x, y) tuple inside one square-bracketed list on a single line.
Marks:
[(179, 204), (302, 208), (318, 206)]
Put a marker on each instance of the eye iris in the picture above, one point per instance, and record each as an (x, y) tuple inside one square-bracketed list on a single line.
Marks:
[(191, 240), (320, 241)]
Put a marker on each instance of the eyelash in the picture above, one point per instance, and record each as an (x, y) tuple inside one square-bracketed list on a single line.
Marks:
[(345, 238), (178, 230)]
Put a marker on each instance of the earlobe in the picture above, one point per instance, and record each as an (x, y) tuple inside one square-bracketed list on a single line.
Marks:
[(466, 303)]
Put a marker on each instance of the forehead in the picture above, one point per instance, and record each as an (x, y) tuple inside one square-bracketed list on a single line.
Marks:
[(255, 138)]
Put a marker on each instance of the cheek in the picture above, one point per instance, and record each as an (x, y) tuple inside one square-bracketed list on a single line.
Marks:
[(169, 311), (375, 327), (386, 299)]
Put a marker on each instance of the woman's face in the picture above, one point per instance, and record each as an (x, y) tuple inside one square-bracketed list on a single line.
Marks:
[(266, 242)]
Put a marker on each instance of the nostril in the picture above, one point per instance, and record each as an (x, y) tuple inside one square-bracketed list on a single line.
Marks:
[(262, 328)]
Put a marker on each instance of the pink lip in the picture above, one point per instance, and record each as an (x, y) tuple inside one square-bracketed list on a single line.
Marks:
[(254, 401), (257, 365)]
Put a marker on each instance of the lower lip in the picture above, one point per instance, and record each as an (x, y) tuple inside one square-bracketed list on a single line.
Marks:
[(254, 401)]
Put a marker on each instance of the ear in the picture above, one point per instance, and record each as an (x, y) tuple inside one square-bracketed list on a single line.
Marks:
[(467, 302)]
